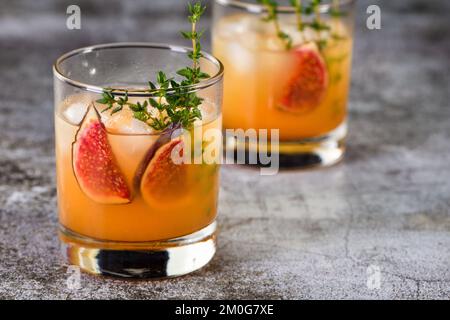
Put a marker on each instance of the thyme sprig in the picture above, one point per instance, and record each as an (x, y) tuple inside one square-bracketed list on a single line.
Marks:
[(312, 8), (335, 11), (272, 15), (297, 4), (172, 101)]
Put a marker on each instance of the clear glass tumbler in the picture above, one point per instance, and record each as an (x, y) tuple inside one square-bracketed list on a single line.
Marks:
[(290, 73), (125, 208)]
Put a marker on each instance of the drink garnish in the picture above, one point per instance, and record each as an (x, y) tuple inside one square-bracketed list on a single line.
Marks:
[(164, 138), (272, 16), (163, 180), (94, 164), (172, 102), (308, 81), (312, 8)]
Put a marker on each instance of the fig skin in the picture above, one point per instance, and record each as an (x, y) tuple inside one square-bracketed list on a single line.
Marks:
[(170, 132), (94, 165), (164, 182)]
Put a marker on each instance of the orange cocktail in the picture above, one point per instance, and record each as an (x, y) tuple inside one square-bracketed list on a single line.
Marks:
[(298, 84), (170, 200), (126, 206)]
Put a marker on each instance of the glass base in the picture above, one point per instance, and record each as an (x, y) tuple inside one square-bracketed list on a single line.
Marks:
[(323, 151), (153, 259)]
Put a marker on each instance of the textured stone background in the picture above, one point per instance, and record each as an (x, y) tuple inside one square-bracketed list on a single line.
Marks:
[(300, 234)]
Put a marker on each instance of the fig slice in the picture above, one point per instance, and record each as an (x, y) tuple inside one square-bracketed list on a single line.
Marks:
[(173, 131), (94, 164), (308, 81), (164, 180)]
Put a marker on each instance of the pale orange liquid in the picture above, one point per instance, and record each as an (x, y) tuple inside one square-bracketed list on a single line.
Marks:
[(137, 221), (256, 77)]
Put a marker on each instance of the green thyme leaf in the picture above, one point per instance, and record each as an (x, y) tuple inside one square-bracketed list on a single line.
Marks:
[(174, 102)]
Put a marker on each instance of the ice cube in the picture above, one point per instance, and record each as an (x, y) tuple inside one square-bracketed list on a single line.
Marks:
[(123, 122), (298, 38), (273, 43), (238, 40), (74, 112), (232, 26), (136, 126), (209, 111), (290, 27), (309, 35), (240, 55)]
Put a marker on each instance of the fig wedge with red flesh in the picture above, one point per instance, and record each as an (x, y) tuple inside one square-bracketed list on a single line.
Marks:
[(308, 81), (164, 180), (94, 164), (171, 132)]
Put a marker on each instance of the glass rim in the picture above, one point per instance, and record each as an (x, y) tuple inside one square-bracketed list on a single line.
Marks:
[(259, 8), (58, 73)]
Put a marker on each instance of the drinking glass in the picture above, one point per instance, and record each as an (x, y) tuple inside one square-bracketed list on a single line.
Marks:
[(300, 88), (125, 207)]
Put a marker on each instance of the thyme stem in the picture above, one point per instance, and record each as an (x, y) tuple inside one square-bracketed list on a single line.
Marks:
[(175, 103), (298, 12), (194, 44)]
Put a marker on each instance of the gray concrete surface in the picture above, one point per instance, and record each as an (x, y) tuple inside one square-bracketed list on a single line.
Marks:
[(297, 235)]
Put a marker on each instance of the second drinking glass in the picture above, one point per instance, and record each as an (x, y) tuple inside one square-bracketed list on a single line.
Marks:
[(287, 68)]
